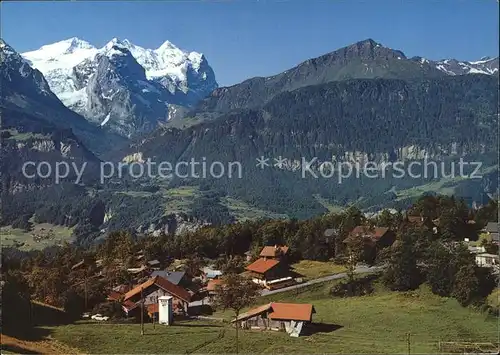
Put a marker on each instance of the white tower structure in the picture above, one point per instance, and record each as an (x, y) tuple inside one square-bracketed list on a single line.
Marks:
[(165, 310)]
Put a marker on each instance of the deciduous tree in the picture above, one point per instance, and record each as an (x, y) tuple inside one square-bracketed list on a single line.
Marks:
[(235, 293)]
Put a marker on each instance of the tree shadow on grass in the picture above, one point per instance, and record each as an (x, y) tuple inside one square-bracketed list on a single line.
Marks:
[(16, 349), (315, 328), (201, 310), (26, 333), (208, 325), (159, 328)]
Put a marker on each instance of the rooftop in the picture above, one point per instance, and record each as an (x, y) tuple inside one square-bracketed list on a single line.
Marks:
[(174, 277), (114, 296), (281, 311), (374, 233), (262, 265), (492, 227), (273, 251), (162, 283), (212, 284), (292, 311)]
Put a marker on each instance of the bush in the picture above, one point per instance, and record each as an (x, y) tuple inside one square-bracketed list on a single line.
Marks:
[(357, 287)]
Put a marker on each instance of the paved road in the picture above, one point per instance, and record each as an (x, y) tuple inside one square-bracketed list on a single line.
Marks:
[(359, 270), (265, 292)]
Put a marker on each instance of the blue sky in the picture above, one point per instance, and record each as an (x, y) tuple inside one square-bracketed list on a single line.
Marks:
[(242, 39)]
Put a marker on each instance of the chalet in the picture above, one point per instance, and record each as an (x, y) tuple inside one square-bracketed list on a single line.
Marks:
[(423, 222), (274, 252), (212, 286), (153, 264), (487, 260), (289, 317), (114, 296), (491, 229), (175, 277), (208, 273), (270, 273), (380, 236), (150, 291), (117, 293)]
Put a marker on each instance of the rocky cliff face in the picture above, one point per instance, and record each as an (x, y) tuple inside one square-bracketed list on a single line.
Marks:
[(171, 225), (120, 96), (381, 120), (55, 149), (29, 105)]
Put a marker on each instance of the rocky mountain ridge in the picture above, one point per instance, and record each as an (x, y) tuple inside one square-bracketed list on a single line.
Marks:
[(366, 59)]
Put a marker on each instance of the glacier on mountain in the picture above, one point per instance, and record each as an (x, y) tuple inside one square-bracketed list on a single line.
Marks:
[(68, 65), (487, 66)]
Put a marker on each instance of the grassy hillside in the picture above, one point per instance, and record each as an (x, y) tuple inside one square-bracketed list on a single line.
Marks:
[(312, 269), (41, 236), (378, 323)]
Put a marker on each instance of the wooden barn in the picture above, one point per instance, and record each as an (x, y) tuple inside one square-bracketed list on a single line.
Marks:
[(288, 317)]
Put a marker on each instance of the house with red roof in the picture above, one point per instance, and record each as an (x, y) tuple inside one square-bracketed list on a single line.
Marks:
[(274, 252), (150, 290), (422, 222), (289, 317), (271, 270), (379, 236), (212, 286)]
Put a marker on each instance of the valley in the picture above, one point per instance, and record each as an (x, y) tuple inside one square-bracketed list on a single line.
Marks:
[(330, 108)]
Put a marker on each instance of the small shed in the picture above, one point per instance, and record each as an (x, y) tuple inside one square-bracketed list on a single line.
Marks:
[(209, 273), (288, 317)]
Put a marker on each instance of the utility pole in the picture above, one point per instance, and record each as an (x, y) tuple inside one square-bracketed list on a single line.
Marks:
[(85, 287), (142, 312), (31, 310), (237, 329), (408, 341)]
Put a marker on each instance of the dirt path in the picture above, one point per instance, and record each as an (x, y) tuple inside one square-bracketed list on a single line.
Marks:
[(43, 347)]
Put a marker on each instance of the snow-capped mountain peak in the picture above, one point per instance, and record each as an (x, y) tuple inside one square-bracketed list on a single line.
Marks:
[(67, 46), (116, 42), (5, 48), (17, 73), (177, 76), (486, 65), (60, 55), (114, 47), (167, 45), (8, 54)]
